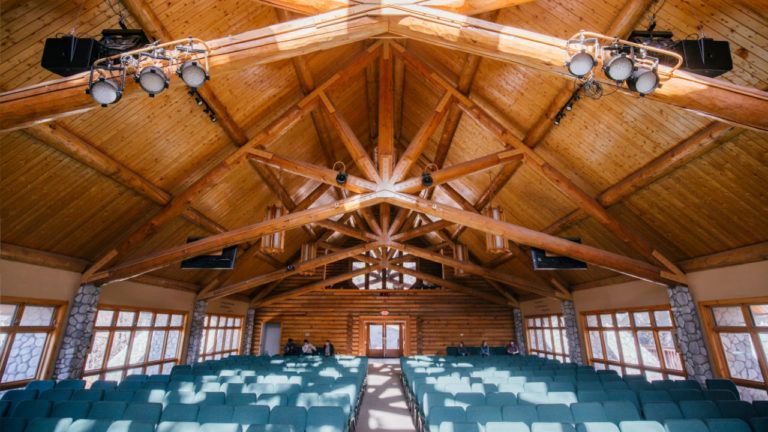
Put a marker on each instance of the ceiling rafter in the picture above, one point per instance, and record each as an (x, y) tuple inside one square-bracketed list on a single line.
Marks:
[(465, 7), (274, 130), (562, 182)]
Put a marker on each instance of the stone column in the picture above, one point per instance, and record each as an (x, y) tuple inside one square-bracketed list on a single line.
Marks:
[(196, 331), (690, 338), (572, 332), (517, 316), (247, 344), (78, 333)]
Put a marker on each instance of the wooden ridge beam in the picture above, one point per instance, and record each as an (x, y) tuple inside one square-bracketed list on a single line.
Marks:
[(540, 165), (315, 286), (66, 96), (311, 171), (519, 283), (245, 234), (709, 97), (701, 142), (463, 169), (609, 260), (386, 124), (282, 273), (465, 7)]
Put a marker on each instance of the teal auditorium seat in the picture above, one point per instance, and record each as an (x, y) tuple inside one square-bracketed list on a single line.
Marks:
[(104, 385), (107, 410), (179, 413), (552, 427), (30, 409), (71, 384), (521, 413), (55, 395), (722, 384), (90, 395), (483, 414), (687, 425), (49, 425), (556, 413), (699, 409), (507, 427), (737, 409), (250, 414), (75, 410), (146, 412), (13, 424), (459, 427), (41, 385), (727, 425), (641, 426), (596, 427), (618, 411), (500, 399), (216, 414), (588, 412), (441, 414), (661, 411), (219, 427), (178, 426), (326, 419), (270, 428), (295, 416)]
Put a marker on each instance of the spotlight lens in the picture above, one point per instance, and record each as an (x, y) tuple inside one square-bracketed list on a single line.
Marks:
[(645, 82), (192, 74), (104, 92), (580, 64), (153, 80), (619, 68)]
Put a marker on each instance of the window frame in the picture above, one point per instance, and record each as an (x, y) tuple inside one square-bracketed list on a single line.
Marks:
[(52, 340), (662, 369), (103, 370), (712, 331), (394, 280), (203, 356), (563, 356)]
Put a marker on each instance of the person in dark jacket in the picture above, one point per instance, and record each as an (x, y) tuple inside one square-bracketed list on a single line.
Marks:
[(290, 348), (462, 350), (328, 349), (512, 348), (485, 349)]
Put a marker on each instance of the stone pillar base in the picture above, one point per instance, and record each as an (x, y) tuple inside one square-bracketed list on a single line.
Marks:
[(196, 324), (517, 316), (76, 342), (572, 332), (246, 348), (690, 338)]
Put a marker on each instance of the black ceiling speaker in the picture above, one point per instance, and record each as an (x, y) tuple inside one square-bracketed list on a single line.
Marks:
[(224, 260), (543, 260), (69, 55)]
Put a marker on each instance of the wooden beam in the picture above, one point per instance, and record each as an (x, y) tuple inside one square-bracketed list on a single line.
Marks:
[(245, 234), (422, 230), (465, 7), (421, 139), (315, 286), (62, 139), (742, 255), (27, 255), (709, 97), (522, 235), (539, 164), (348, 137), (626, 20), (453, 286), (520, 283), (386, 134), (701, 142), (347, 230), (274, 130), (66, 96), (500, 259), (463, 169), (311, 171), (282, 273), (504, 292)]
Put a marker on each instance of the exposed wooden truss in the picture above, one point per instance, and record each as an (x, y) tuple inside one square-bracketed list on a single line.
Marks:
[(384, 180)]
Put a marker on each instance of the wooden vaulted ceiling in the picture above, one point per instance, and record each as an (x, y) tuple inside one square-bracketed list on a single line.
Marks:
[(686, 185)]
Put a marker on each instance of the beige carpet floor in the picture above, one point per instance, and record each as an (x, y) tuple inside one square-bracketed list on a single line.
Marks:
[(383, 407)]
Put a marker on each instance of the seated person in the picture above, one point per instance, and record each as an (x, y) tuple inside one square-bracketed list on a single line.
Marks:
[(512, 348), (308, 348), (462, 350), (290, 348), (485, 349), (328, 349)]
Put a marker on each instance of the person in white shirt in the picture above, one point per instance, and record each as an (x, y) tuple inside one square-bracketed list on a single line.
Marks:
[(308, 348)]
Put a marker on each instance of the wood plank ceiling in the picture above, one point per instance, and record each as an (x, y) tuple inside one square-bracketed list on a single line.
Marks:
[(717, 200)]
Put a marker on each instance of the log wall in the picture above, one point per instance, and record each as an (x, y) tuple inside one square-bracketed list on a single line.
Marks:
[(433, 319)]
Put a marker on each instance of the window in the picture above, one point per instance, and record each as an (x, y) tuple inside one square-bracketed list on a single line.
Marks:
[(26, 339), (133, 341), (634, 341), (546, 337), (738, 333), (221, 336)]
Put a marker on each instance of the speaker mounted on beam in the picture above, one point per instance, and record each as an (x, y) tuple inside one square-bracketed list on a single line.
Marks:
[(224, 260), (543, 260)]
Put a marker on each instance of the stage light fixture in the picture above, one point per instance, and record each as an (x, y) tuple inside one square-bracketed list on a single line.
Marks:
[(644, 81), (104, 91), (618, 67), (580, 64), (193, 75), (341, 173), (152, 80)]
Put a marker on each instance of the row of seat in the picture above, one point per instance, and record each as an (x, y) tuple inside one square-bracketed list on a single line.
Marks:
[(714, 425)]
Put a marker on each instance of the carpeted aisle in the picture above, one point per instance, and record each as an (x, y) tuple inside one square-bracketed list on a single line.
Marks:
[(383, 407)]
